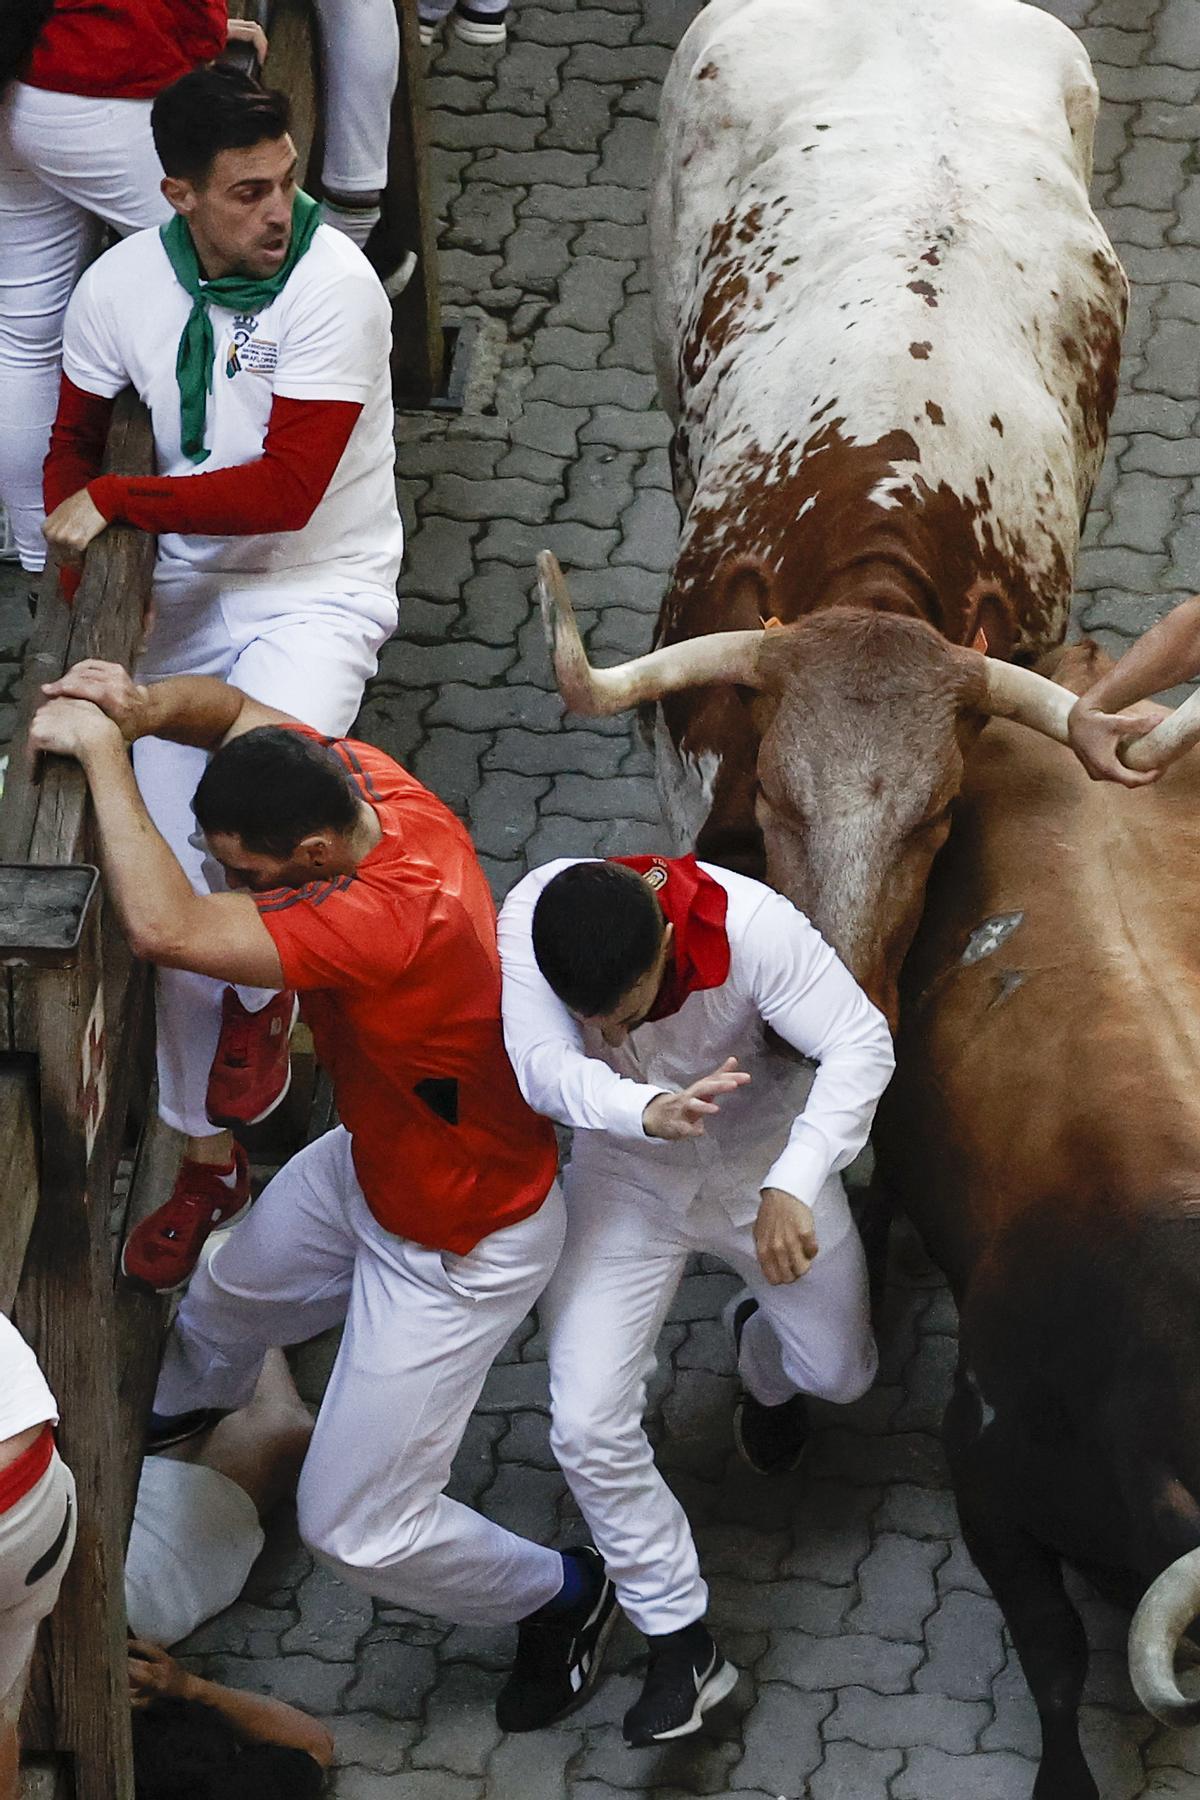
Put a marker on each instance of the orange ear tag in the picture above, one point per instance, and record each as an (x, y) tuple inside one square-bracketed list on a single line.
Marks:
[(979, 641)]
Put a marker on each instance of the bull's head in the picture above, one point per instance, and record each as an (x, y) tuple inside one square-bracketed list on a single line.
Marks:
[(866, 720)]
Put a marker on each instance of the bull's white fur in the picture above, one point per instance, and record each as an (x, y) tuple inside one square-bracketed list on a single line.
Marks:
[(685, 786), (972, 117)]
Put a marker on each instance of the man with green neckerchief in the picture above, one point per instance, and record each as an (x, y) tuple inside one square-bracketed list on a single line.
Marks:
[(259, 340)]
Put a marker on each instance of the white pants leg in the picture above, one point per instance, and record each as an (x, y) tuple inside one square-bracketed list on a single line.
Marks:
[(422, 1330), (37, 1534), (309, 655), (811, 1336), (65, 162), (603, 1311), (360, 49)]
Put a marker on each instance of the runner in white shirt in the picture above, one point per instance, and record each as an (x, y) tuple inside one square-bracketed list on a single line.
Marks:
[(623, 982), (259, 340), (37, 1529)]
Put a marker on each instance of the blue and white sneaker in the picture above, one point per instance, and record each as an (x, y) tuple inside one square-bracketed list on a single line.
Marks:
[(558, 1658)]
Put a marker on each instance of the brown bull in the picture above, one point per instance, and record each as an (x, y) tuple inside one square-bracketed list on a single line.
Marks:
[(1043, 1131)]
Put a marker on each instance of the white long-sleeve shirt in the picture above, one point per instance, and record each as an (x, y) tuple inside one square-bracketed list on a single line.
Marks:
[(786, 1128)]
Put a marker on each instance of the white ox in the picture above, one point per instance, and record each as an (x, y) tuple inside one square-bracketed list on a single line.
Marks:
[(887, 332)]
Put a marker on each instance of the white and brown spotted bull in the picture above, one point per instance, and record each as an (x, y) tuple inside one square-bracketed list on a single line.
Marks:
[(887, 332), (1043, 1131)]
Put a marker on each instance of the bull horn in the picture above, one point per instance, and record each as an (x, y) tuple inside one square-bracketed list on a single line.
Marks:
[(723, 656), (1011, 692), (1168, 739), (1167, 1609)]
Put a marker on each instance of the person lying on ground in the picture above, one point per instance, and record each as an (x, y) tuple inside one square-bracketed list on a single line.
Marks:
[(200, 1740), (197, 1522)]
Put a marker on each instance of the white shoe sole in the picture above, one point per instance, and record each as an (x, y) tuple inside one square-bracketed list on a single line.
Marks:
[(472, 33), (718, 1687)]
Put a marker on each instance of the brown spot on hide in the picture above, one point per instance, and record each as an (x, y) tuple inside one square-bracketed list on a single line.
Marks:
[(926, 291), (751, 225), (931, 256), (707, 72), (773, 279), (920, 350), (935, 412), (997, 424)]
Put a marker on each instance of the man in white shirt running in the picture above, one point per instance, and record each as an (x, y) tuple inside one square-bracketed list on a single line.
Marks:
[(259, 340), (622, 980)]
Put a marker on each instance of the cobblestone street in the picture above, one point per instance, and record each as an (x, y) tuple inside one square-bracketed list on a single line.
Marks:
[(875, 1665)]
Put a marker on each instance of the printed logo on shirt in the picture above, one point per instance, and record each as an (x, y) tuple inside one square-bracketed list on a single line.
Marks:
[(260, 356), (655, 877), (243, 330)]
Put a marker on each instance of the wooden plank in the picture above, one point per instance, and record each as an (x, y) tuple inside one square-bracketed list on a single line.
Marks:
[(105, 621), (408, 223), (18, 1170), (141, 1317), (64, 1309)]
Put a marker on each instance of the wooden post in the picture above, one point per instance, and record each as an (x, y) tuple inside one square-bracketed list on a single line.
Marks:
[(76, 1022)]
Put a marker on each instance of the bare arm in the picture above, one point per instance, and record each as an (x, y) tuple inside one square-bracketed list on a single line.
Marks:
[(164, 920), (1168, 654), (153, 1674), (187, 709)]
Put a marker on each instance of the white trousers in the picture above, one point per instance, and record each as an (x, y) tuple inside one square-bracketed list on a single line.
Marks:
[(603, 1311), (307, 653), (422, 1330), (37, 1536), (66, 163), (360, 45)]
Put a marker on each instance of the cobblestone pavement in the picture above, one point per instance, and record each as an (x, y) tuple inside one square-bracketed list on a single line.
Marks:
[(875, 1662)]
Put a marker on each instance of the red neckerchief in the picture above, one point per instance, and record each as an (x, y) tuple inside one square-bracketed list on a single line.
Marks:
[(695, 905)]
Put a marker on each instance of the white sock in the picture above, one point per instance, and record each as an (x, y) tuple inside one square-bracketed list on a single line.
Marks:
[(355, 222)]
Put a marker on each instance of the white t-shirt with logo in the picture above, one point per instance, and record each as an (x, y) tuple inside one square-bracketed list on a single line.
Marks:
[(25, 1399), (326, 336)]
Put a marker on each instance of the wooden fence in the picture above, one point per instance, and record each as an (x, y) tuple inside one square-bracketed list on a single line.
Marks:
[(82, 1154)]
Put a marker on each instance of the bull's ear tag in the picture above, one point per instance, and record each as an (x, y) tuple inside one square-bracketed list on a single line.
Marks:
[(771, 624), (979, 641)]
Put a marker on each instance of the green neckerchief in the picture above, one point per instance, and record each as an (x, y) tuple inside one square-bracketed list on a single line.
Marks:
[(240, 293)]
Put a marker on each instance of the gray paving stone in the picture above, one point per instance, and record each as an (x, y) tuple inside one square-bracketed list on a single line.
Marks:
[(492, 130), (378, 1744), (590, 293), (586, 798), (897, 1586), (587, 25), (782, 1738), (933, 1775), (884, 1722), (649, 531), (820, 1664), (362, 1784), (852, 1772), (526, 77), (579, 116), (487, 709), (565, 345), (333, 1619), (627, 156), (393, 1678), (966, 1650), (594, 62), (492, 498), (622, 206), (460, 1725), (531, 1767)]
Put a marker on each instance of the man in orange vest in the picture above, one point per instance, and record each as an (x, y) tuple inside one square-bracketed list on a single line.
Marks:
[(429, 1220)]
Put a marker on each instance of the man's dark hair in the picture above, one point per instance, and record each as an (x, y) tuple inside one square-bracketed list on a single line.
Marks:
[(214, 108), (597, 929), (271, 787), (183, 1750)]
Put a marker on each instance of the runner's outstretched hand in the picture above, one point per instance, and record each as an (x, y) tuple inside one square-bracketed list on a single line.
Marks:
[(682, 1115)]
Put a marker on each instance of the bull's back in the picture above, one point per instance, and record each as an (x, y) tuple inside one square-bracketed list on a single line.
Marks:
[(1049, 1054), (871, 227)]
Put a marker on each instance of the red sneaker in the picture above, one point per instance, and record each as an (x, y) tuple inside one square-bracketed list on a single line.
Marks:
[(252, 1070), (164, 1249)]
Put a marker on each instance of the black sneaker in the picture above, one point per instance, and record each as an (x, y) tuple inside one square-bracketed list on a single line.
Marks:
[(165, 1430), (558, 1658), (771, 1439), (686, 1675)]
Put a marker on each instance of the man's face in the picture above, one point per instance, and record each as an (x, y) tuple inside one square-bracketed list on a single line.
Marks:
[(633, 1006), (253, 870), (240, 214)]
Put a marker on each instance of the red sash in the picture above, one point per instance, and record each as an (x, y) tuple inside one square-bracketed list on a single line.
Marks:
[(22, 1476), (695, 905)]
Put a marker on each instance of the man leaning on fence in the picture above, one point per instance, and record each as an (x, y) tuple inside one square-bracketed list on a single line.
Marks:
[(259, 340), (430, 1220)]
